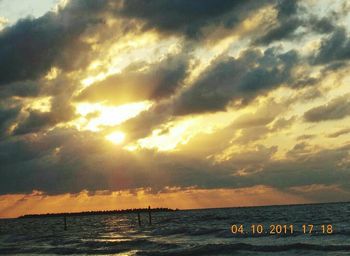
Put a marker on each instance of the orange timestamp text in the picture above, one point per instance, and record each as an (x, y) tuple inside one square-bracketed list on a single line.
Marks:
[(281, 229)]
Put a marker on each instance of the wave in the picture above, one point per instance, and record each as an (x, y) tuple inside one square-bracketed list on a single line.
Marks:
[(215, 249), (188, 231), (90, 247)]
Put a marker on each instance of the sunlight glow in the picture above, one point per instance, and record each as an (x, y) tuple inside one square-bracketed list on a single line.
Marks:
[(116, 137), (42, 104), (52, 74), (169, 140), (97, 115)]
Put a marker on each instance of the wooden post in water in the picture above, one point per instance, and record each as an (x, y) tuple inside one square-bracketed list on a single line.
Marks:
[(139, 218), (65, 222), (149, 215)]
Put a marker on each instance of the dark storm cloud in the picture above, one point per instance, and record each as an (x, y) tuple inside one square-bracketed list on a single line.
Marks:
[(31, 47), (286, 8), (287, 22), (335, 47), (188, 17), (20, 89), (29, 162), (58, 94), (36, 121), (244, 78), (159, 80), (303, 167), (226, 80), (290, 17), (337, 108), (322, 193), (307, 167), (7, 116), (143, 124), (324, 25), (68, 161), (280, 32)]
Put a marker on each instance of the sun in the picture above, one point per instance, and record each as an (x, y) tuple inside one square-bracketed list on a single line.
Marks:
[(116, 137)]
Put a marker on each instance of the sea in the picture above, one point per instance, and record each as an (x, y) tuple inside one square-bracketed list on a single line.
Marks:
[(318, 229)]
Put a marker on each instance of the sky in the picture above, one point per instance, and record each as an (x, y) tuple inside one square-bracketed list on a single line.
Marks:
[(182, 104), (13, 10)]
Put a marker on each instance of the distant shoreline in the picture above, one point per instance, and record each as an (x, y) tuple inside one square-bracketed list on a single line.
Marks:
[(92, 213)]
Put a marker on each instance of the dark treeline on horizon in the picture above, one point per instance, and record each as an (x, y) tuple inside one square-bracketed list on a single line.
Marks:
[(87, 213)]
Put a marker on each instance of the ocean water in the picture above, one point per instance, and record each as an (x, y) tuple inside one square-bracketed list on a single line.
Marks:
[(193, 232)]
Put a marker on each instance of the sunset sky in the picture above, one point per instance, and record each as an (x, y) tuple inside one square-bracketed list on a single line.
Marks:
[(182, 104)]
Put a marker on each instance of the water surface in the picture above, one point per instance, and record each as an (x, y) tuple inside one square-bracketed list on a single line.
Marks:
[(194, 232)]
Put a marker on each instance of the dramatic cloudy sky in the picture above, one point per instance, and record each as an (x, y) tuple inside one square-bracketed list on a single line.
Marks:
[(184, 104)]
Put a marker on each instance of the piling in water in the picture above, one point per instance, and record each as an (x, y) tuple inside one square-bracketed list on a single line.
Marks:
[(65, 222), (149, 215), (139, 218)]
